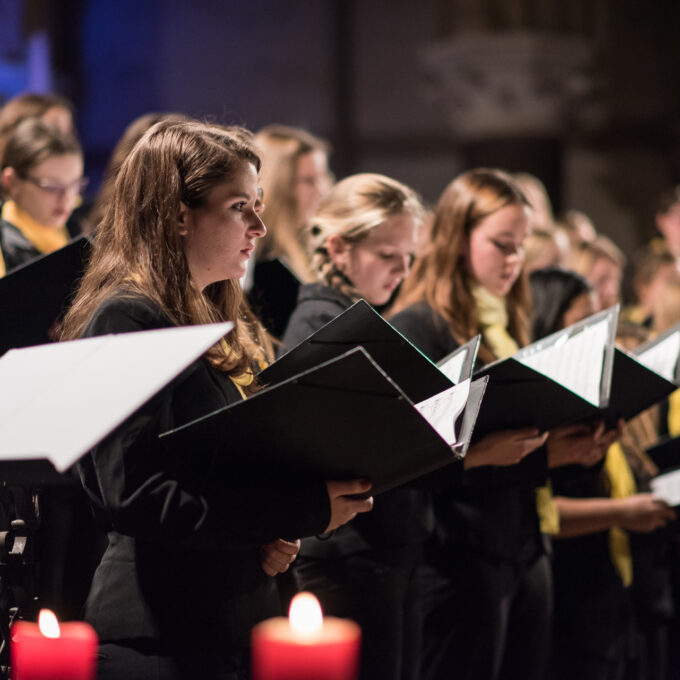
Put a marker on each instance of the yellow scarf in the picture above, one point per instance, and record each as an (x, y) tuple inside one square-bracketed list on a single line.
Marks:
[(45, 239), (622, 485), (493, 320), (674, 414), (244, 379)]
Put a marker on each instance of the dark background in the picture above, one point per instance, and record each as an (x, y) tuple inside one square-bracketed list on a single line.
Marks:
[(583, 93)]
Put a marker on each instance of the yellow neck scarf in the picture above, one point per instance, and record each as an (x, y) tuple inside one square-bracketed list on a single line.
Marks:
[(622, 484), (493, 320), (244, 379), (45, 239)]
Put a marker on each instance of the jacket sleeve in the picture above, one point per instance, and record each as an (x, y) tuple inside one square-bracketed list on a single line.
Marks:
[(146, 489)]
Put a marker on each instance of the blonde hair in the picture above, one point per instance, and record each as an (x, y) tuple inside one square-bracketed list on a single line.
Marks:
[(353, 209), (537, 195), (281, 148), (138, 247), (538, 245), (439, 275), (666, 310), (601, 248)]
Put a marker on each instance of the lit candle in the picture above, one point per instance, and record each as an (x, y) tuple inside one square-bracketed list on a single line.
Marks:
[(305, 646), (48, 651)]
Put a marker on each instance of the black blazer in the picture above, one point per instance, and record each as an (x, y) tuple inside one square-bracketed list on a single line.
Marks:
[(183, 563), (15, 247), (492, 509), (400, 516)]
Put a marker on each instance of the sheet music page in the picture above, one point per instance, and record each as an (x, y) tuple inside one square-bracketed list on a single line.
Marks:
[(88, 387), (666, 487), (453, 366), (574, 361), (443, 410), (663, 356)]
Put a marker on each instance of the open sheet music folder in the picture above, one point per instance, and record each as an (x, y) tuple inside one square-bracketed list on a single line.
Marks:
[(662, 354), (57, 401), (560, 379), (35, 296), (343, 419), (361, 325), (635, 387)]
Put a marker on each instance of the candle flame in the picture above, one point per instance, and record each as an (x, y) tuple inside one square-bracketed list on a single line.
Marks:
[(305, 614), (48, 624)]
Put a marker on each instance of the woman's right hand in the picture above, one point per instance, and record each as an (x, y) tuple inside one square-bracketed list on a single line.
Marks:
[(343, 507), (643, 513), (506, 447)]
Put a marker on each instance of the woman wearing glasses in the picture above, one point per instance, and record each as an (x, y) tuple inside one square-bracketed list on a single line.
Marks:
[(42, 177)]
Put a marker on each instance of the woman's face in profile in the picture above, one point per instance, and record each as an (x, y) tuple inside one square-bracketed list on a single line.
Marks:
[(219, 237)]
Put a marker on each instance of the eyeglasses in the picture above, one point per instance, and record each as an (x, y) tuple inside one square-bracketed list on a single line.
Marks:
[(57, 189)]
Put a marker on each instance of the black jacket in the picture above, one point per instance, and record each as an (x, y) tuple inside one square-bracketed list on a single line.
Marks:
[(183, 563), (400, 516), (492, 509), (15, 247)]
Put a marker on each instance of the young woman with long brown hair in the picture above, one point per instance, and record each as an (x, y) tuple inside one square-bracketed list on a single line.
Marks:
[(488, 604), (194, 537)]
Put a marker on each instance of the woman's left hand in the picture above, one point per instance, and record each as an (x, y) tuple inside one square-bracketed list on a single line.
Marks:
[(278, 556)]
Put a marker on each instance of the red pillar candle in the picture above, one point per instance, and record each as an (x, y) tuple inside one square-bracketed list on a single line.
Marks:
[(305, 646), (48, 651)]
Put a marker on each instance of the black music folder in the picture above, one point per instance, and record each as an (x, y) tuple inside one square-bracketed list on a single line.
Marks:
[(361, 325), (562, 378), (274, 294), (343, 419), (666, 453), (59, 400), (34, 297), (662, 353), (635, 387)]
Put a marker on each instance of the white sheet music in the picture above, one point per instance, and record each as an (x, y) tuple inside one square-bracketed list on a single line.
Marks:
[(574, 361), (666, 487), (57, 401), (453, 366), (443, 410), (663, 357)]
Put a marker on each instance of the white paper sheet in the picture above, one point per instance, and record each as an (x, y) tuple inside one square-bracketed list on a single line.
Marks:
[(453, 367), (574, 361), (663, 357), (443, 410), (57, 401), (666, 487)]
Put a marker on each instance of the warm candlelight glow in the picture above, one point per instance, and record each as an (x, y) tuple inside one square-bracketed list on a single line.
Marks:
[(48, 624), (305, 614)]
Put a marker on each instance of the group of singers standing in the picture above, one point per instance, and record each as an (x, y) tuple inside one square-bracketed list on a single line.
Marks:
[(449, 576)]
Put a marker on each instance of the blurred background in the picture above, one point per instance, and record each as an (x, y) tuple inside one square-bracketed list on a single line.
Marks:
[(583, 93)]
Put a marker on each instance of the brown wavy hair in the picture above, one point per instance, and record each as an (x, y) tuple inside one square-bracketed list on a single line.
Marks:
[(138, 248), (439, 275), (131, 135)]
